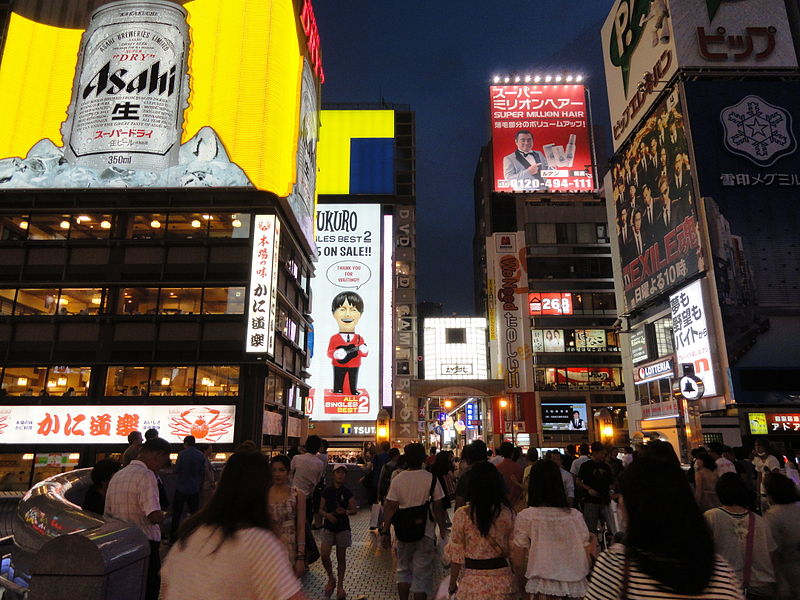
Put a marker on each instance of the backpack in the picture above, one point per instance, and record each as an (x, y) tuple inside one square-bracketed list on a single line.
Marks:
[(409, 523)]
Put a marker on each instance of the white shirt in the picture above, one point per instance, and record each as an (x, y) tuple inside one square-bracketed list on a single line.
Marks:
[(569, 483), (252, 565), (410, 488), (132, 495), (556, 538), (770, 463), (307, 470), (725, 466)]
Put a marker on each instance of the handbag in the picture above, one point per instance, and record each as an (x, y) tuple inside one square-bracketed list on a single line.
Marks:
[(410, 523)]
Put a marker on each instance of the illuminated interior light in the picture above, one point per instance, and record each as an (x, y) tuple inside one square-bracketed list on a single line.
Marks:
[(105, 224), (63, 301), (207, 217), (28, 456), (51, 384), (173, 456), (74, 456), (82, 218), (206, 381), (155, 223), (607, 431), (64, 224), (96, 300), (62, 381), (23, 225), (196, 223), (220, 456), (165, 381), (22, 381)]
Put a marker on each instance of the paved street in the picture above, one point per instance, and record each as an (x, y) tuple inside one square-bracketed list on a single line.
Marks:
[(370, 567)]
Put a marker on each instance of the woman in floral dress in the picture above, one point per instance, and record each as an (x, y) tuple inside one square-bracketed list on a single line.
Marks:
[(288, 523), (479, 546)]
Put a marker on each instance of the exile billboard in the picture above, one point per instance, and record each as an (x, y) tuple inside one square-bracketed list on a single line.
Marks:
[(540, 138), (746, 144), (346, 364), (655, 208), (152, 93)]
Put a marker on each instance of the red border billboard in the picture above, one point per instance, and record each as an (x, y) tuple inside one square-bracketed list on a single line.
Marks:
[(540, 138)]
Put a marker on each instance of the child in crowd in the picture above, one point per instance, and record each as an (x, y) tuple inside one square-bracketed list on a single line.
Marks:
[(336, 506)]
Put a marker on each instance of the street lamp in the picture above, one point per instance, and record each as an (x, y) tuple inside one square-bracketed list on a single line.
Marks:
[(448, 404)]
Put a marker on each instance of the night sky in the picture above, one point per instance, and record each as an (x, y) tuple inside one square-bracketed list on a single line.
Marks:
[(439, 56)]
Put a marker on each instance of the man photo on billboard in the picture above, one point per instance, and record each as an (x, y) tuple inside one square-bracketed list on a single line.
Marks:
[(525, 164), (346, 348)]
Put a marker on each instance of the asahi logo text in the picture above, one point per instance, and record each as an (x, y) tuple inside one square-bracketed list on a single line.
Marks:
[(149, 81)]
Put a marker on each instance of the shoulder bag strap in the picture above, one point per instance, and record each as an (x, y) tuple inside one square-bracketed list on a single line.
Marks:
[(748, 550)]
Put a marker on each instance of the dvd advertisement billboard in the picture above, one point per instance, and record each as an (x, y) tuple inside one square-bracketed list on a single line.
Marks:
[(346, 364), (540, 138), (746, 143), (136, 94), (655, 208)]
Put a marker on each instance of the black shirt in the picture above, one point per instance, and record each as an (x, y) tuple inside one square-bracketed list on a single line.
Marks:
[(597, 475), (333, 498)]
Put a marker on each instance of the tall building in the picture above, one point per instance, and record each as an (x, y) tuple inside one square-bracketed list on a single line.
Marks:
[(701, 191), (366, 234), (543, 270), (155, 257)]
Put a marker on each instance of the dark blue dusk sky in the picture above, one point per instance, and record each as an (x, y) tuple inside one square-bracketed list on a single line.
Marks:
[(439, 56)]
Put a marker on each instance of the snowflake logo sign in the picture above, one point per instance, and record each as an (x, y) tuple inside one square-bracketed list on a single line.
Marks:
[(758, 130)]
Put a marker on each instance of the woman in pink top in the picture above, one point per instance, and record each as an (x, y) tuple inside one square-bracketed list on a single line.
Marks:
[(478, 549), (551, 542)]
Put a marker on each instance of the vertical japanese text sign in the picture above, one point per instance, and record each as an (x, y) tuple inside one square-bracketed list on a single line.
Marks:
[(262, 300)]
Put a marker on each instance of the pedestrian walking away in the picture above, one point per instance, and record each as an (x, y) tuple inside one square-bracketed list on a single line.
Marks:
[(189, 470)]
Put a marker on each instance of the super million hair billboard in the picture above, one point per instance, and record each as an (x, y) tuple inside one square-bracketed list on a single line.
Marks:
[(159, 94)]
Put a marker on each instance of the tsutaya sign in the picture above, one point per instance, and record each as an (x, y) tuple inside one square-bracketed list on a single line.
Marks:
[(111, 424), (645, 42), (508, 298)]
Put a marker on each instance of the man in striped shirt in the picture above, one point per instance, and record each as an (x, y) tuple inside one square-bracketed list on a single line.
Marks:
[(132, 497)]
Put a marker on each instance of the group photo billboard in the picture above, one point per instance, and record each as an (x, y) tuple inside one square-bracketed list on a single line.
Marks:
[(540, 138), (746, 144), (346, 362), (655, 207), (154, 93)]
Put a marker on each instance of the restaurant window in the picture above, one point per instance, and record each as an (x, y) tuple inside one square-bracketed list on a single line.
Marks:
[(545, 233), (224, 301), (587, 234), (171, 381), (80, 301), (566, 233), (269, 388), (187, 226), (7, 301), (14, 228), (49, 227), (180, 301), (663, 333), (24, 381), (229, 225), (127, 381), (36, 302), (642, 393), (217, 381), (15, 472), (147, 226), (88, 226), (68, 381), (137, 301)]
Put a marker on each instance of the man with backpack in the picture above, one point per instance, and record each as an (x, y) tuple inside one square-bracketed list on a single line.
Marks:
[(413, 502)]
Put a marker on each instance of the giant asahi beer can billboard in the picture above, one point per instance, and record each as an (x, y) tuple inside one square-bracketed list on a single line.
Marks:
[(130, 87), (161, 94)]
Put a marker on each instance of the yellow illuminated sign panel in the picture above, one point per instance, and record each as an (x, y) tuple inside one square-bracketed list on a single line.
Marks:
[(337, 128), (758, 423), (245, 66)]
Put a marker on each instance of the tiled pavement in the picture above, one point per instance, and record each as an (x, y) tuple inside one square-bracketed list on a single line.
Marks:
[(370, 567)]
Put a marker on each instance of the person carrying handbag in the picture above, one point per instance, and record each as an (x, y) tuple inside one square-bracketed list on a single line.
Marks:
[(414, 507)]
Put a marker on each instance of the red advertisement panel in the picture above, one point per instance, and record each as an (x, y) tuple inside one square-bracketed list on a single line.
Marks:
[(540, 137), (550, 303)]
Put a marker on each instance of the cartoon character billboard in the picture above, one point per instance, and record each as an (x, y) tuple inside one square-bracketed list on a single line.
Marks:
[(345, 369)]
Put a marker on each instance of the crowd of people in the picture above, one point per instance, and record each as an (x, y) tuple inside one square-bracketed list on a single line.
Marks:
[(583, 523)]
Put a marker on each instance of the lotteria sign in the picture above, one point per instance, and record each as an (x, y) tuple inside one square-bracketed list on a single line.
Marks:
[(657, 370)]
